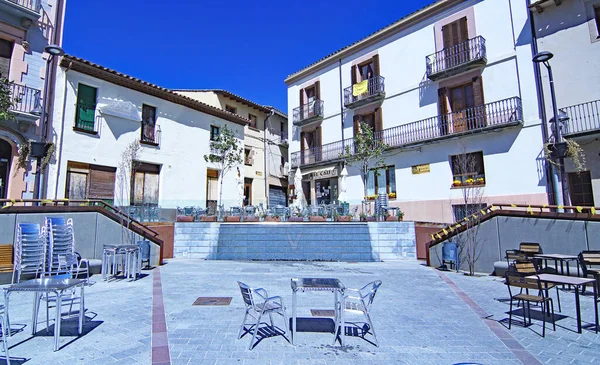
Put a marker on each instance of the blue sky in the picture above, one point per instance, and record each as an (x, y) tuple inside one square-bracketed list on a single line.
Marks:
[(246, 47)]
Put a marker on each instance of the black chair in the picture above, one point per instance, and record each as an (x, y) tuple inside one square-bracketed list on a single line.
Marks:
[(515, 280)]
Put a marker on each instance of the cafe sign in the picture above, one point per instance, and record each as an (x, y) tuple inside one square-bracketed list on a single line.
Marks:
[(420, 169), (320, 174)]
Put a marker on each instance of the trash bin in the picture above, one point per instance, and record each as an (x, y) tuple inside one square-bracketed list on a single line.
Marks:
[(449, 254)]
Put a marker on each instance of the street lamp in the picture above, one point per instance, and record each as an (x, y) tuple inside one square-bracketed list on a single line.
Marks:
[(53, 50), (544, 58)]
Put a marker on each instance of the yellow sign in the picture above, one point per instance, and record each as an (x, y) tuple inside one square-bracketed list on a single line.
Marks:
[(258, 173), (420, 169)]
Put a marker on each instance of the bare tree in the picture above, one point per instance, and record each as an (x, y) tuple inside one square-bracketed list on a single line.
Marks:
[(125, 180), (466, 170)]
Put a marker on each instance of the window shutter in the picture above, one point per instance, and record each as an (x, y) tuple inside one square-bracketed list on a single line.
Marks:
[(463, 29), (356, 124), (442, 100), (318, 90), (376, 65), (353, 74), (302, 141), (478, 91), (318, 137), (378, 120), (102, 182), (301, 97), (447, 35)]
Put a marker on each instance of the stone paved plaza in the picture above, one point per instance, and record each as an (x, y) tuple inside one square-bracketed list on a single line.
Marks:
[(421, 316)]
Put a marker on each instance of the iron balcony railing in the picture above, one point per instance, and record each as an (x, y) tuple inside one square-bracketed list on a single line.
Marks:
[(309, 110), (583, 118), (85, 118), (24, 99), (458, 55), (491, 115), (150, 134), (34, 5), (375, 86)]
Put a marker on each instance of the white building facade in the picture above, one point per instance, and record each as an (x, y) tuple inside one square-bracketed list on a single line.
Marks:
[(452, 79), (100, 113), (570, 30)]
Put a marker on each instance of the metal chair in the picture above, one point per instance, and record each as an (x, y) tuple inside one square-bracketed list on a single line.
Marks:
[(2, 329), (527, 268), (358, 301), (235, 211), (515, 280), (68, 298), (258, 302), (30, 250), (587, 261)]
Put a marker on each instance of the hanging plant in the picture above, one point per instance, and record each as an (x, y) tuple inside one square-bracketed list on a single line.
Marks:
[(50, 149), (25, 151), (567, 149)]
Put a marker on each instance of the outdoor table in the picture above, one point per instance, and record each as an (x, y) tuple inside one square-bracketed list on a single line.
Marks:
[(559, 257), (319, 284), (46, 285), (576, 282)]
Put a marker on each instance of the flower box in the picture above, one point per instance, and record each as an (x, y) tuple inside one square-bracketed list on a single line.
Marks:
[(391, 218), (184, 218), (367, 219), (231, 219), (343, 218), (317, 218), (272, 219), (296, 219), (250, 219), (209, 218)]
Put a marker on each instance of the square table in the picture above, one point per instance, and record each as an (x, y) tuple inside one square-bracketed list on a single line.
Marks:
[(556, 257), (319, 284), (47, 285), (576, 282)]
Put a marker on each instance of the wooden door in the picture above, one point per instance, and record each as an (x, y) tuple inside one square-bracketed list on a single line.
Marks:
[(456, 47), (461, 99), (247, 193)]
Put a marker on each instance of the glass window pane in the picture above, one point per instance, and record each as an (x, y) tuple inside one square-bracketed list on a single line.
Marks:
[(381, 182), (151, 188), (138, 188), (77, 188)]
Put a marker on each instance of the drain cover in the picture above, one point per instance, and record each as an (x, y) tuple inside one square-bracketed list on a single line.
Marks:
[(322, 312), (213, 301)]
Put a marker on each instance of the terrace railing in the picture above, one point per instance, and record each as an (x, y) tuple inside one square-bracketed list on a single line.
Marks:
[(453, 59), (487, 116), (308, 111), (583, 118), (375, 87), (24, 99), (34, 5)]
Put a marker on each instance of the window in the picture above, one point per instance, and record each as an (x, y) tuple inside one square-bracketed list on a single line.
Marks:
[(6, 48), (309, 101), (382, 181), (148, 124), (597, 18), (214, 133), (85, 181), (230, 109), (212, 178), (248, 156), (461, 211), (373, 120), (456, 49), (580, 188), (252, 120), (467, 169), (145, 184), (86, 108)]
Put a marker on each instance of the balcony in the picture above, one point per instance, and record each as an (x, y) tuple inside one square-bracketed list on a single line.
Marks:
[(361, 94), (308, 113), (583, 119), (85, 119), (150, 135), (26, 106), (27, 9), (498, 114), (457, 59)]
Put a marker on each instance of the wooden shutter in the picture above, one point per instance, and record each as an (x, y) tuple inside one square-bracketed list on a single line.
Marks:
[(317, 90), (302, 141), (376, 65), (353, 74), (447, 35), (318, 137), (463, 31), (356, 125), (442, 100), (478, 91), (102, 182), (301, 97), (378, 120)]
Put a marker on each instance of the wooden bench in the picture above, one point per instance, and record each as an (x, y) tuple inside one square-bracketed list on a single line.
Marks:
[(6, 258)]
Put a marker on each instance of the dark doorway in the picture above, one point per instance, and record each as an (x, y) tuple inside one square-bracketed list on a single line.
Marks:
[(5, 159)]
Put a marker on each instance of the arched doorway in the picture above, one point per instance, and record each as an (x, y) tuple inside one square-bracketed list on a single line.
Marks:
[(5, 160)]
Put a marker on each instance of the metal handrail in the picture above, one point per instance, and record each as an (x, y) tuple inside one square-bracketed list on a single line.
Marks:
[(34, 5), (24, 99), (308, 110), (375, 86), (584, 117), (457, 55), (484, 116)]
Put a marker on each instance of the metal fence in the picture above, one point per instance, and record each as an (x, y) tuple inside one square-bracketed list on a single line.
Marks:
[(375, 86), (34, 5), (583, 118), (309, 110), (457, 55), (24, 99)]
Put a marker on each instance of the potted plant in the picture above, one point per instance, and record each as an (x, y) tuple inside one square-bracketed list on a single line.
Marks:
[(251, 218), (208, 218), (391, 218), (469, 181), (400, 214), (295, 218), (364, 217), (480, 181), (272, 218), (342, 218), (232, 218), (32, 149), (567, 149), (456, 183)]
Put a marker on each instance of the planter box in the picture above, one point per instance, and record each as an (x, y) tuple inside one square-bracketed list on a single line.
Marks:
[(558, 150), (391, 219), (296, 219), (316, 218), (272, 219), (210, 218), (368, 219), (232, 219), (251, 219), (184, 218), (343, 219)]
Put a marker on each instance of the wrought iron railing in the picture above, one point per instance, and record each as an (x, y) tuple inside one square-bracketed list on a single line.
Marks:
[(150, 134), (34, 5), (85, 119), (490, 115), (24, 99), (284, 137), (457, 55), (375, 86), (583, 118), (309, 110)]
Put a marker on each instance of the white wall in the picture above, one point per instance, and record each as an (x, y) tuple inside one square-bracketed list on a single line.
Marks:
[(184, 142)]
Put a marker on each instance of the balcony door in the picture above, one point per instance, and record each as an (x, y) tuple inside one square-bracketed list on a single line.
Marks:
[(309, 97), (373, 120), (310, 146), (456, 47), (467, 105), (6, 48)]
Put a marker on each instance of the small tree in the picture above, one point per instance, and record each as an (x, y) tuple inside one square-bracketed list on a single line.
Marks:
[(126, 178), (225, 154), (471, 202), (366, 153), (6, 99)]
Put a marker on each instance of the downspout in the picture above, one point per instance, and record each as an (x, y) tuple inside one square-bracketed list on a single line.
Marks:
[(266, 145), (341, 104), (541, 104)]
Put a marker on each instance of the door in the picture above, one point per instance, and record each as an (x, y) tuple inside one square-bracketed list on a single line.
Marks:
[(6, 48), (212, 190), (461, 98), (5, 159), (456, 45), (247, 192), (580, 189), (86, 107)]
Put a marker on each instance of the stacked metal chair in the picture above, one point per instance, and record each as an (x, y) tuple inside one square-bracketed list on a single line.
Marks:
[(60, 242), (30, 250)]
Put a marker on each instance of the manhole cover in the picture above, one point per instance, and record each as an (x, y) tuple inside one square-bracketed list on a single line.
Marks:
[(213, 301), (322, 312)]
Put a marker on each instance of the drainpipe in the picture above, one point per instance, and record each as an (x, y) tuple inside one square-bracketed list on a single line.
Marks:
[(341, 103), (541, 105), (266, 145)]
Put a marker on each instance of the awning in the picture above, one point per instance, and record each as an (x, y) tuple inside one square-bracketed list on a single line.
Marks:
[(120, 108)]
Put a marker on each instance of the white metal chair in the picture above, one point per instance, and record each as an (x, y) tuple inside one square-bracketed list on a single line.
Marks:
[(3, 330), (258, 302), (358, 301)]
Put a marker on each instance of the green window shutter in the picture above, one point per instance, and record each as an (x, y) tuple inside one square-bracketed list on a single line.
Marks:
[(86, 107)]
